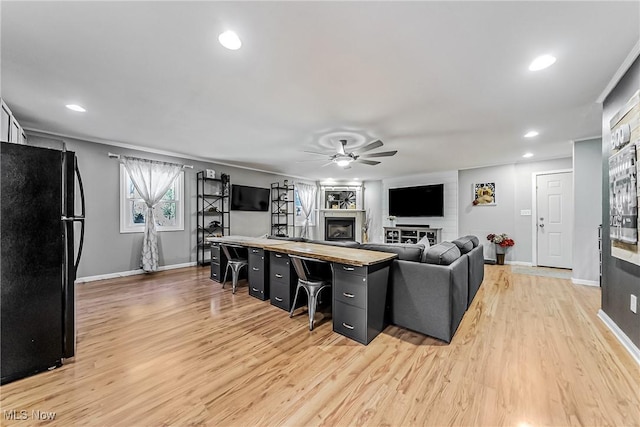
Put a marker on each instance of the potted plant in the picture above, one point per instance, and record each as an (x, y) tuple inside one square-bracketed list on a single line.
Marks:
[(502, 243)]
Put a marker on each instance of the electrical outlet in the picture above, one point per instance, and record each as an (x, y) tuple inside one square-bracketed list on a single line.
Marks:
[(634, 304)]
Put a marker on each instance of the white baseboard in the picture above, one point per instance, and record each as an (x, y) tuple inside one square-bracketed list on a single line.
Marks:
[(622, 337), (522, 263), (131, 273), (585, 282)]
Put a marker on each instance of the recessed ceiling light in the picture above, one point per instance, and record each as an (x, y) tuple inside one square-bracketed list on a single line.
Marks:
[(531, 134), (75, 107), (230, 40), (527, 155), (542, 62)]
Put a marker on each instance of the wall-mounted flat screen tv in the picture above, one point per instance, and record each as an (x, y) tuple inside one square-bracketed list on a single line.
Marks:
[(425, 200), (245, 198)]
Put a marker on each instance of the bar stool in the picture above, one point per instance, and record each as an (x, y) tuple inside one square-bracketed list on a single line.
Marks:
[(235, 261), (311, 282)]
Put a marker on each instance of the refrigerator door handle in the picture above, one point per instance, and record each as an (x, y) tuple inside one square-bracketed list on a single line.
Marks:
[(81, 217)]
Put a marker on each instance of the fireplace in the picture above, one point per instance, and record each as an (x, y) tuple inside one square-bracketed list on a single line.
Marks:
[(339, 228)]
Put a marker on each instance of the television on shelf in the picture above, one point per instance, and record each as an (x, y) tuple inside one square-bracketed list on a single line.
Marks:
[(245, 198), (424, 200)]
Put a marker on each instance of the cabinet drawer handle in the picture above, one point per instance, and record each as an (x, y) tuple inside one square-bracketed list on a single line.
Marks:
[(255, 251), (255, 268), (347, 325), (279, 276), (278, 255), (348, 295), (278, 299), (255, 289), (348, 268), (214, 257)]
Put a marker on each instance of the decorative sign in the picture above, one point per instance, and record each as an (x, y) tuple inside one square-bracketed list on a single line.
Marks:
[(624, 189), (484, 194)]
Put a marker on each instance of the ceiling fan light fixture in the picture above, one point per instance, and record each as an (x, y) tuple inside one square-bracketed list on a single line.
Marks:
[(343, 162)]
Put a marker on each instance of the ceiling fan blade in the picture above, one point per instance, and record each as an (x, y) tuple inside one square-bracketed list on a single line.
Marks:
[(381, 154), (309, 160), (319, 154), (327, 164), (373, 145), (343, 142), (367, 162)]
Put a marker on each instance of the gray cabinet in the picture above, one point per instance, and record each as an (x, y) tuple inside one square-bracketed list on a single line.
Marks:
[(283, 281), (218, 262), (359, 299), (406, 234), (258, 270)]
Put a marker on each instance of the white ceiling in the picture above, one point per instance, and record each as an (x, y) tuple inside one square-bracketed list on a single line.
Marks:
[(445, 83)]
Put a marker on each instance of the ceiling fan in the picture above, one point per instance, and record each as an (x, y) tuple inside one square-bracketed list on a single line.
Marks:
[(344, 159)]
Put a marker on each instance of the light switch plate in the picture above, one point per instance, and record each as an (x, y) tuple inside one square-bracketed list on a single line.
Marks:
[(525, 212), (634, 304)]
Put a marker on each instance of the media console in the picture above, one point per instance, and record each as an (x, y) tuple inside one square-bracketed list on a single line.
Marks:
[(411, 234)]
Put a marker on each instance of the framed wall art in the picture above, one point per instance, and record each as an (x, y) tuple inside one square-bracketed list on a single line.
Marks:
[(624, 189), (484, 194)]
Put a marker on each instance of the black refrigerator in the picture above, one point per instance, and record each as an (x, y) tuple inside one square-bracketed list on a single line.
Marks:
[(38, 260)]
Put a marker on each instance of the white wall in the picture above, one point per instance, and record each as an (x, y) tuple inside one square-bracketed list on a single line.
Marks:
[(448, 223), (513, 194), (373, 206), (587, 190)]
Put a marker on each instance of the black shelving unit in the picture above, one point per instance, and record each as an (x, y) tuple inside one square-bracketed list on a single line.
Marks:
[(282, 219), (213, 212)]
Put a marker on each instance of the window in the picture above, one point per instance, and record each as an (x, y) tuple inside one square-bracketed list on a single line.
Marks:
[(299, 216), (169, 212)]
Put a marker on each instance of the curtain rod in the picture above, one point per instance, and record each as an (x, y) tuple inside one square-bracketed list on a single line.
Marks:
[(117, 156)]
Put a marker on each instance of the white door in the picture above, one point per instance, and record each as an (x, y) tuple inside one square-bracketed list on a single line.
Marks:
[(555, 219)]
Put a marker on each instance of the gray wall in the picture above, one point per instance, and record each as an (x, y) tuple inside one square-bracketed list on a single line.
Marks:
[(106, 249), (620, 279), (513, 194), (587, 205)]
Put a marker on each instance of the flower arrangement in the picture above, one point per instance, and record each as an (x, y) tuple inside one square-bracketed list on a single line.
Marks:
[(391, 218), (501, 240)]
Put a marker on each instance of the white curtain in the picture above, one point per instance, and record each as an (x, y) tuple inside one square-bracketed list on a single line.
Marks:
[(307, 196), (152, 180)]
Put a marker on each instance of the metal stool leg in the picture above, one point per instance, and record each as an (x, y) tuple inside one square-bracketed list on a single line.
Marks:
[(235, 274), (224, 279), (295, 299), (313, 302)]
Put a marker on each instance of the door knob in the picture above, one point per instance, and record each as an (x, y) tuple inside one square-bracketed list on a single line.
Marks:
[(541, 225)]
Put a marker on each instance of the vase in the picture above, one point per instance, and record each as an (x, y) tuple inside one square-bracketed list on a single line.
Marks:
[(500, 251), (365, 237)]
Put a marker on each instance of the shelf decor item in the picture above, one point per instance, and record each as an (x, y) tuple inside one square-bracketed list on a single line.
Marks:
[(365, 226), (392, 218), (502, 243)]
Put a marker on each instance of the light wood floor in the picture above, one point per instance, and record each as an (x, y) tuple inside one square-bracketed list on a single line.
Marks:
[(174, 348)]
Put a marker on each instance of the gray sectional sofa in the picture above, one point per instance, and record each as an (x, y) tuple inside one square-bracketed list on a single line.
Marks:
[(430, 287)]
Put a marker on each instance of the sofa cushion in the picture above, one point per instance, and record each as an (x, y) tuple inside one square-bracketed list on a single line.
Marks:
[(443, 254), (474, 240), (343, 243), (405, 251), (465, 244), (425, 242)]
